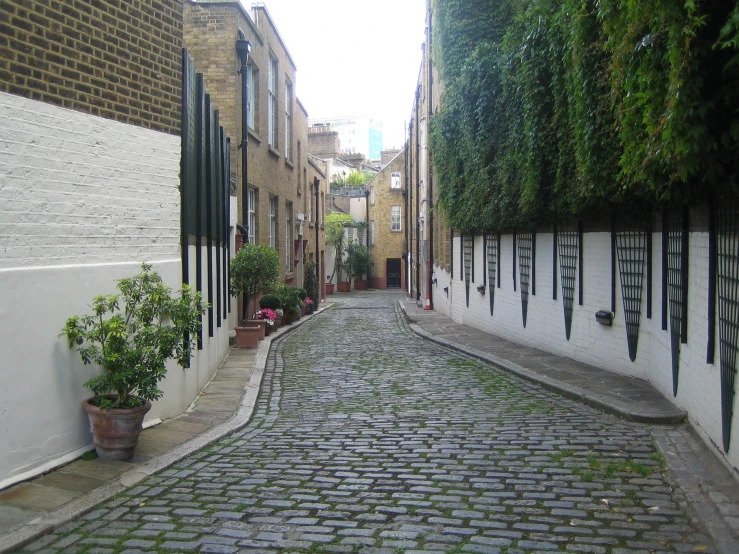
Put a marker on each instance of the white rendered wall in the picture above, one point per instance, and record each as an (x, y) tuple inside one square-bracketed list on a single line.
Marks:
[(82, 201), (595, 344)]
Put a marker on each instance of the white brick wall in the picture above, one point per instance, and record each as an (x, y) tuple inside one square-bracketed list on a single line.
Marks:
[(699, 389), (81, 189)]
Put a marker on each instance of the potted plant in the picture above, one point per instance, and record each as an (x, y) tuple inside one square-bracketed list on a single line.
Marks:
[(311, 282), (309, 305), (272, 302), (268, 316), (358, 261), (335, 239), (131, 336), (302, 295), (253, 268)]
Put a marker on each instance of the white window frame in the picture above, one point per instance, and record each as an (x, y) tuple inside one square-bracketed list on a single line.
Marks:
[(372, 196), (250, 96), (273, 222), (395, 218), (288, 236), (272, 103), (252, 195), (288, 120), (372, 233), (395, 180)]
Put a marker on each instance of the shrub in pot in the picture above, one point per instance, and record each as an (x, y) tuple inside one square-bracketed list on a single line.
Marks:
[(272, 302), (358, 262), (131, 336), (311, 283), (253, 268)]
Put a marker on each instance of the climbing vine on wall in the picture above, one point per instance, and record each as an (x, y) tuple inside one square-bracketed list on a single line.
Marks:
[(553, 108)]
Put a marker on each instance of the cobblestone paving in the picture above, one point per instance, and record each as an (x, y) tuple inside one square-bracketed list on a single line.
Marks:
[(369, 439)]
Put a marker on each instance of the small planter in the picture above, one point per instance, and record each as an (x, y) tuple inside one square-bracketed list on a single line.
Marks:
[(329, 288), (261, 323), (344, 286), (247, 337), (115, 432), (360, 284)]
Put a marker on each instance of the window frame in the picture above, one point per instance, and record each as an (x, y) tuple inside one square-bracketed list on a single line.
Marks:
[(273, 208), (288, 119), (252, 197), (250, 90), (272, 105), (393, 218)]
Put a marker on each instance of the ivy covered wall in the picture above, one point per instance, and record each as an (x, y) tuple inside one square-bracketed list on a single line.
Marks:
[(557, 108)]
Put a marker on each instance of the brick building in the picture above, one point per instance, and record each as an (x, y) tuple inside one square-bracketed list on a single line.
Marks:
[(90, 99), (387, 224), (281, 180)]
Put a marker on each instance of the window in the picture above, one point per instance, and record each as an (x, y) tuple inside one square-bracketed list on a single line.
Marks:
[(372, 271), (288, 235), (272, 103), (252, 196), (323, 211), (372, 233), (273, 222), (288, 120), (309, 214), (372, 195), (395, 218), (395, 180), (250, 96)]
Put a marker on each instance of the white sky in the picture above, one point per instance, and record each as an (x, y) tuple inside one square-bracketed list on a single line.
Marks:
[(354, 57)]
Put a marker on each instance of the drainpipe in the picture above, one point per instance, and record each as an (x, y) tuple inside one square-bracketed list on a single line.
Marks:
[(407, 218), (430, 97), (243, 47), (418, 205), (317, 184)]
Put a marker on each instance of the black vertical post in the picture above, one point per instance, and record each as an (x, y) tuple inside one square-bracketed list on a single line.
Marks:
[(613, 263), (199, 195), (473, 259), (497, 263), (684, 270), (317, 184), (711, 346), (665, 237), (514, 260), (243, 47), (580, 272), (649, 265), (554, 263), (533, 263), (485, 260), (186, 177), (209, 183)]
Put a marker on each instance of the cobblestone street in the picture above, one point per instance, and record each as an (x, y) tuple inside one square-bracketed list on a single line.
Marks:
[(367, 438)]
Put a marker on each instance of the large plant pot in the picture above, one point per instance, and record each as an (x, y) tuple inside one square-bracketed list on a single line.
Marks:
[(261, 323), (344, 286), (248, 336), (115, 432), (360, 284), (329, 288)]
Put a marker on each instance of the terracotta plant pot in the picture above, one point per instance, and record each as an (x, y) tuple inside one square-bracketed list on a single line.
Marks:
[(344, 286), (329, 288), (261, 323), (360, 284), (248, 336), (115, 432)]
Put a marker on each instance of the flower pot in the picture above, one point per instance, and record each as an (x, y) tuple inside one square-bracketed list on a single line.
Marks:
[(360, 284), (344, 286), (329, 288), (115, 432), (261, 323), (268, 330), (248, 336)]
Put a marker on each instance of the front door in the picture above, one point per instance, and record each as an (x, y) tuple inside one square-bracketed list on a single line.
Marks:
[(393, 273)]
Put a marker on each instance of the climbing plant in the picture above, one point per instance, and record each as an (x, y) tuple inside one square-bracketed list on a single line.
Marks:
[(553, 108)]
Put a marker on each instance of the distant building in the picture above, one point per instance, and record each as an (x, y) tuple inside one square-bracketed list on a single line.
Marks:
[(357, 134)]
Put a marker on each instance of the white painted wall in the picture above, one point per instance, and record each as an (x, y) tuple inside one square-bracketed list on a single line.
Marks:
[(82, 201), (595, 344)]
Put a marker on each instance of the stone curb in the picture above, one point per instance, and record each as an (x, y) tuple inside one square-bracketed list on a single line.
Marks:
[(78, 507), (573, 392)]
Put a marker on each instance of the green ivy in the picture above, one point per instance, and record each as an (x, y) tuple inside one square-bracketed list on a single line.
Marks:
[(555, 108)]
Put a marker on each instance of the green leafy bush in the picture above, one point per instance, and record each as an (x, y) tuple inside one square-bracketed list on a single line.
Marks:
[(270, 301), (254, 268), (311, 282), (357, 259), (132, 335)]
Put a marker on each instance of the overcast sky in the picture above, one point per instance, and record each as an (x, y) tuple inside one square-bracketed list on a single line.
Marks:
[(354, 57)]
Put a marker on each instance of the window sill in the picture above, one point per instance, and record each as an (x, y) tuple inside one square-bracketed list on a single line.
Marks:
[(272, 150), (289, 164), (253, 134), (311, 224)]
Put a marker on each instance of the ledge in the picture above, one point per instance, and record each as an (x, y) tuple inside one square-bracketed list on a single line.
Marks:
[(253, 134), (272, 150), (289, 164)]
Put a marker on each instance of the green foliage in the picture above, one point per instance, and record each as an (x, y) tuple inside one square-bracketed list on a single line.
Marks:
[(288, 295), (132, 335), (311, 282), (335, 239), (357, 260), (555, 108), (302, 294), (253, 269), (270, 302)]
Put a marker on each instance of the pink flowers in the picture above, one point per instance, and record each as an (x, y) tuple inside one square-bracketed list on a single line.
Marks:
[(266, 313), (307, 301)]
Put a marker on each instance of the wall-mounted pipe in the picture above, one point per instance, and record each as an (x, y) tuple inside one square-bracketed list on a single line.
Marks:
[(243, 47)]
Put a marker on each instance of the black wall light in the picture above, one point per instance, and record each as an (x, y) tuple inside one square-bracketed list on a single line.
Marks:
[(481, 289), (604, 317)]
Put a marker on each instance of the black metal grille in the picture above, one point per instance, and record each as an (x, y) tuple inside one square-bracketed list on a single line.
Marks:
[(467, 253), (492, 255), (569, 241), (727, 231), (631, 250), (674, 228), (525, 241)]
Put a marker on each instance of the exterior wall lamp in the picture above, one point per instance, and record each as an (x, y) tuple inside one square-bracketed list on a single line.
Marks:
[(481, 289), (604, 317)]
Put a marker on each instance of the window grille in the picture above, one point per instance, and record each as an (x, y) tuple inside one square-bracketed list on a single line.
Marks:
[(568, 239), (631, 250), (467, 253), (492, 262), (675, 226), (525, 245)]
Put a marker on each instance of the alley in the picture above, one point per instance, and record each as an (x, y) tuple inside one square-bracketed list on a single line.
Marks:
[(367, 438)]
